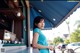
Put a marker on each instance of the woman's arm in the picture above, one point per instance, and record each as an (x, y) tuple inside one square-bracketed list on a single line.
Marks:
[(35, 40), (36, 45)]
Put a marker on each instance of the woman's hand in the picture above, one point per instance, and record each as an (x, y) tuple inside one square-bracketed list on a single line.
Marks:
[(51, 48)]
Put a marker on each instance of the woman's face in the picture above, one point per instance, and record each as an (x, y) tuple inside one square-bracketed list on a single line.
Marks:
[(41, 24)]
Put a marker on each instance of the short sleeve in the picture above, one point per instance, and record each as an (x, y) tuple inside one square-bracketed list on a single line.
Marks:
[(36, 30)]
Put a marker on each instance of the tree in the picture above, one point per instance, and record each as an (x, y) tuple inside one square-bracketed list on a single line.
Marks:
[(75, 36), (51, 43), (67, 41), (58, 40), (77, 22)]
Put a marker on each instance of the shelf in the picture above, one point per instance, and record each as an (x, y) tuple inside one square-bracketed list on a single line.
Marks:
[(13, 45)]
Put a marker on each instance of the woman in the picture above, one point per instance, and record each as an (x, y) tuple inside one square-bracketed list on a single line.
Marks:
[(39, 40)]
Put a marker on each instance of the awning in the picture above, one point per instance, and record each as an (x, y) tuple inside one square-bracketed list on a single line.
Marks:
[(53, 11), (33, 14)]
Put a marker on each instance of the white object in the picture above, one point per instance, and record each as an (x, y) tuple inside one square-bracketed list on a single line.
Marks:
[(0, 41), (74, 46), (18, 14)]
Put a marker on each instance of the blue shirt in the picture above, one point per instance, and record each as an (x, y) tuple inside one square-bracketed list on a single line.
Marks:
[(41, 40)]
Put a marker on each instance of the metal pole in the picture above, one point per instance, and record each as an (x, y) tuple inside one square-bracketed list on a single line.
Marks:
[(62, 51), (13, 26), (54, 51), (69, 32), (28, 20)]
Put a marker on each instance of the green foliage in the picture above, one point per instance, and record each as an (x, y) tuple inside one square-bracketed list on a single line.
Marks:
[(75, 36), (58, 40), (51, 43), (67, 41)]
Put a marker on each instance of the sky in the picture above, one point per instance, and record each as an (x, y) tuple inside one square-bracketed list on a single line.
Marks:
[(62, 28)]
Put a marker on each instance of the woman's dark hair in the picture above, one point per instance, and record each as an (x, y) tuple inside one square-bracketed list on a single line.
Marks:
[(36, 21)]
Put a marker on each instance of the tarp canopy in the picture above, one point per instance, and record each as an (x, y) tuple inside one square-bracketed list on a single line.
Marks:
[(54, 12)]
